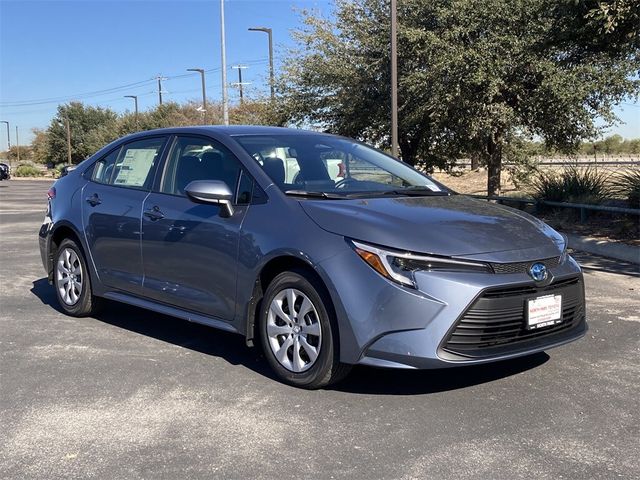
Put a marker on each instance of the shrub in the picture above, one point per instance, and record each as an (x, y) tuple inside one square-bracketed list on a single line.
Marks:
[(522, 172), (573, 185), (520, 162), (627, 185), (27, 171)]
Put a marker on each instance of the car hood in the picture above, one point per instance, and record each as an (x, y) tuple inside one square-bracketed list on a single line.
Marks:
[(455, 225)]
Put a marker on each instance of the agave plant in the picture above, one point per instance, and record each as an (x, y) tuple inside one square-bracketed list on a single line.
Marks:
[(627, 185), (572, 185)]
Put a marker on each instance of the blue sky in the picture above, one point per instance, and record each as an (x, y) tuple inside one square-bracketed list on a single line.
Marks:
[(58, 50)]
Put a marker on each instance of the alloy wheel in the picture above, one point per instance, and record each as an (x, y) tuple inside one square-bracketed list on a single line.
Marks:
[(293, 330), (69, 276)]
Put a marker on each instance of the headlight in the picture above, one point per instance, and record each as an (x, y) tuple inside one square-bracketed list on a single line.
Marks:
[(400, 266), (563, 255)]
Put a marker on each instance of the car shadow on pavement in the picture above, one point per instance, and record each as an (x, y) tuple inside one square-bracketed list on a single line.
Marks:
[(44, 291), (232, 348), (200, 338), (381, 381), (196, 337)]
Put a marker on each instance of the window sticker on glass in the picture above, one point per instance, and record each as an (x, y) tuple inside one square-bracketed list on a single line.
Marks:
[(135, 167)]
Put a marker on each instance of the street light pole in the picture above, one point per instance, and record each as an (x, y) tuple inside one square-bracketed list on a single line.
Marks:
[(225, 98), (204, 92), (17, 144), (269, 32), (8, 136), (394, 80), (135, 102)]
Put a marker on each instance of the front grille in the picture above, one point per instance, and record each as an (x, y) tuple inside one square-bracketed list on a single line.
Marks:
[(496, 321), (523, 267)]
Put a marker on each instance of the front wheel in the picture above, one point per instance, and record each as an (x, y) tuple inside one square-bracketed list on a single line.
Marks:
[(297, 332), (72, 282)]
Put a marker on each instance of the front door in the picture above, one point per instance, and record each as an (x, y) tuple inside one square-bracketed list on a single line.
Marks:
[(189, 251), (111, 210)]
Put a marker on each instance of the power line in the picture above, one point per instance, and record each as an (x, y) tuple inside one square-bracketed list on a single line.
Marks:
[(98, 93), (43, 101)]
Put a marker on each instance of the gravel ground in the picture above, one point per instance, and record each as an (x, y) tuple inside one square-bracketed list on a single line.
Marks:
[(133, 394)]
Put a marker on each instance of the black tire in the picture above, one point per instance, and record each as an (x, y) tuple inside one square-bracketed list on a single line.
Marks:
[(327, 368), (87, 304)]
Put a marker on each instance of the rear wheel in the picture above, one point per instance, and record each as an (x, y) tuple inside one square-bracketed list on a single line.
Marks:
[(297, 332), (72, 282)]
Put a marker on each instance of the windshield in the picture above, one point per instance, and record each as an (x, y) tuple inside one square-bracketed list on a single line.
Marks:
[(315, 163)]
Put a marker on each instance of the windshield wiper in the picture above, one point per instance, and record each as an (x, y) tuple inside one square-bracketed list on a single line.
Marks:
[(305, 193)]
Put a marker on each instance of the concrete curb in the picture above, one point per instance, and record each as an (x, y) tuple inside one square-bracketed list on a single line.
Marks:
[(617, 251)]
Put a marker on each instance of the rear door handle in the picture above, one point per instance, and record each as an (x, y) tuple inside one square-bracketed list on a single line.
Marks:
[(154, 213), (93, 200)]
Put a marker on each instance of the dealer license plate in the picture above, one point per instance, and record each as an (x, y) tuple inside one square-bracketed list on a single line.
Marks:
[(544, 311)]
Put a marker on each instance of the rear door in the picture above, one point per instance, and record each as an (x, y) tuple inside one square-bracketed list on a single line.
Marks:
[(112, 208), (189, 251)]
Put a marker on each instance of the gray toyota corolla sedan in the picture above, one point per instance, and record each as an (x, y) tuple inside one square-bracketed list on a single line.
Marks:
[(325, 251)]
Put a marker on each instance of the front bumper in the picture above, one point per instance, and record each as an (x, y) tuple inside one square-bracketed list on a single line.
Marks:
[(386, 325)]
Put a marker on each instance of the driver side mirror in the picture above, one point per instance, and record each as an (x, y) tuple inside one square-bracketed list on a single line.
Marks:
[(213, 192)]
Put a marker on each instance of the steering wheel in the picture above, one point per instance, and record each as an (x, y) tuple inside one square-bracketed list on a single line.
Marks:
[(345, 182)]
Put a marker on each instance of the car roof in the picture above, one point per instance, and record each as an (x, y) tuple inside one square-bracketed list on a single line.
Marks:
[(231, 130)]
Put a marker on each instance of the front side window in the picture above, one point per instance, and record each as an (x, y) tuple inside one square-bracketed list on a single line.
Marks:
[(195, 158), (332, 165)]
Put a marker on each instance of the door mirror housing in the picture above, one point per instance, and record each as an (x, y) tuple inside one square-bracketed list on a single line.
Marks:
[(211, 191)]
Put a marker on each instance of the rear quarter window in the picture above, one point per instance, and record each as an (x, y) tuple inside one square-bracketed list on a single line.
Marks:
[(103, 168)]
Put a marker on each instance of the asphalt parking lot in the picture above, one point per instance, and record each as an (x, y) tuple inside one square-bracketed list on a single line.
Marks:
[(133, 394)]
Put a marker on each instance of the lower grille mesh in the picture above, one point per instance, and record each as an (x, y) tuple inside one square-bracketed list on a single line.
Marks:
[(497, 319)]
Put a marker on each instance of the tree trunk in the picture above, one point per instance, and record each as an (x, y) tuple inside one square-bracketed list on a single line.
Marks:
[(494, 164), (408, 153), (475, 162)]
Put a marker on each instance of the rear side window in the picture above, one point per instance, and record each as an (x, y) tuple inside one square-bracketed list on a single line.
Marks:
[(135, 163)]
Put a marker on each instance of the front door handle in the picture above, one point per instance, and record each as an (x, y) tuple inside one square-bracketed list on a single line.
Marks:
[(93, 200), (154, 213)]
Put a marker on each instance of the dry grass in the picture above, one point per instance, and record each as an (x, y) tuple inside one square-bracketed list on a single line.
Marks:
[(475, 183)]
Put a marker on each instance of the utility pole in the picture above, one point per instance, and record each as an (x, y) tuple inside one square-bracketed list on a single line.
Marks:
[(135, 102), (225, 98), (17, 144), (8, 136), (394, 79), (269, 32), (240, 84), (204, 92), (160, 78), (68, 139)]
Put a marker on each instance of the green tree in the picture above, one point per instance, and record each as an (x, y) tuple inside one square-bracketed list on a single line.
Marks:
[(254, 112), (633, 146), (91, 129), (24, 152), (39, 146), (473, 76), (612, 144)]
